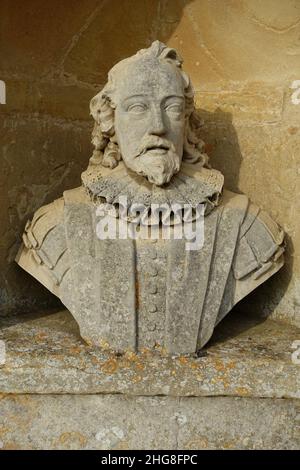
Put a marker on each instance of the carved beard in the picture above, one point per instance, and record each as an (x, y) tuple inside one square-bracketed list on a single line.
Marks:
[(157, 167)]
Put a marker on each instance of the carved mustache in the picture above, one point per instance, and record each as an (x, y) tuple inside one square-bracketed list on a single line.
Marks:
[(152, 142)]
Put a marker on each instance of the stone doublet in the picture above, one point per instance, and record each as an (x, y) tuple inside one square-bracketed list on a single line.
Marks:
[(131, 295)]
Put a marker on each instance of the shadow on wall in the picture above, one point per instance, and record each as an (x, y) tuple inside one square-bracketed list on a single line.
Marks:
[(222, 146)]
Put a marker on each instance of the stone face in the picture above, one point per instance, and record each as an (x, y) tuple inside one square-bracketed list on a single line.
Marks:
[(145, 115)]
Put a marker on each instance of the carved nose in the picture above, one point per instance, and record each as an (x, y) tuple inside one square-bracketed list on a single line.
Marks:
[(157, 124)]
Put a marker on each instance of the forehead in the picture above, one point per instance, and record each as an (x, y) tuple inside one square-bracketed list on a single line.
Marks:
[(151, 77)]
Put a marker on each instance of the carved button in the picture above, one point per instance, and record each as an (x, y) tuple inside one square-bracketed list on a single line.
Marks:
[(153, 254), (153, 271), (154, 240), (153, 289), (152, 308), (151, 326)]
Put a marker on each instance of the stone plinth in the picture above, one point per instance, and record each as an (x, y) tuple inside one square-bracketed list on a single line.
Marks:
[(57, 392)]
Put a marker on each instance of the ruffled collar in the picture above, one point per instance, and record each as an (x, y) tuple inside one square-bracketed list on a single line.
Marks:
[(192, 185)]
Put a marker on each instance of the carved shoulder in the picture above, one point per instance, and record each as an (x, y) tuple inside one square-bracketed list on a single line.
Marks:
[(259, 253), (261, 244), (44, 250)]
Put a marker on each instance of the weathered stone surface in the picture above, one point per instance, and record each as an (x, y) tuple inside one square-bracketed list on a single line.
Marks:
[(50, 98), (240, 41), (223, 423), (246, 357), (120, 423), (252, 103)]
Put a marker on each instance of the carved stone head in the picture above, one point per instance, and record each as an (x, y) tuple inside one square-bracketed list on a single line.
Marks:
[(145, 115)]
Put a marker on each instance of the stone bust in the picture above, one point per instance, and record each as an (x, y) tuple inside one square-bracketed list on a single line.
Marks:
[(136, 293)]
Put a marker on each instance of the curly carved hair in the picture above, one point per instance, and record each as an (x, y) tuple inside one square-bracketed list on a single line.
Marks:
[(107, 152)]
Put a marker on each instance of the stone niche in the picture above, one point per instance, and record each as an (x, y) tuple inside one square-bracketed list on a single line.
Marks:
[(241, 390)]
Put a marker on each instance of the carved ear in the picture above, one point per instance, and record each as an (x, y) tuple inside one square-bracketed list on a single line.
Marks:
[(102, 110), (95, 108)]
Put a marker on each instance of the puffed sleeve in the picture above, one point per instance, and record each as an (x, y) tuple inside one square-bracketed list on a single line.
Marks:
[(259, 252), (260, 246), (44, 250)]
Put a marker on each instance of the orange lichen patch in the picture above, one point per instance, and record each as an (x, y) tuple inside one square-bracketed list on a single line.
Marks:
[(197, 443), (3, 431), (72, 438), (229, 445), (104, 344), (11, 446), (137, 378), (110, 366), (242, 391), (125, 364), (194, 365), (145, 351), (221, 378), (122, 445), (231, 365), (131, 356), (21, 399), (226, 383), (183, 360), (75, 350), (139, 366), (219, 365), (223, 366), (39, 337), (173, 372), (222, 369)]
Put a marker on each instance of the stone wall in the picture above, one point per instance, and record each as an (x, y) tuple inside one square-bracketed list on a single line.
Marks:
[(243, 57)]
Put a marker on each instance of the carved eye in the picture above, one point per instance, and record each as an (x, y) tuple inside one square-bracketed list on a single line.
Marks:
[(174, 108), (137, 108)]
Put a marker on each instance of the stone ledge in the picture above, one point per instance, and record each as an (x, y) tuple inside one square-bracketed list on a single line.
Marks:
[(119, 422), (247, 357)]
